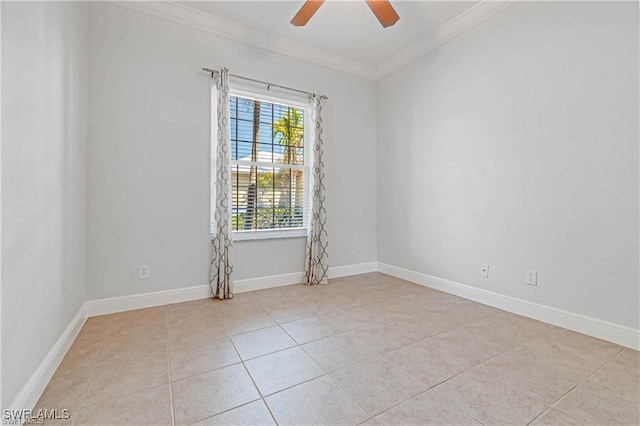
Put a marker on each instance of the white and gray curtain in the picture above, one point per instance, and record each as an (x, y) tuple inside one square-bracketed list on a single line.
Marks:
[(317, 258), (221, 243)]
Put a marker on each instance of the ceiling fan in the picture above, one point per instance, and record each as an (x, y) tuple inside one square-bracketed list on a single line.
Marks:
[(383, 10)]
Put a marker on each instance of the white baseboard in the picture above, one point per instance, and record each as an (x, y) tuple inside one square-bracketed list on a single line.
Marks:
[(250, 284), (145, 300), (348, 270), (158, 298), (605, 330), (32, 390)]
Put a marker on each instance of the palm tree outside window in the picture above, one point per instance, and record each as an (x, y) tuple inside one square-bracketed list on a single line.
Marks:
[(269, 171)]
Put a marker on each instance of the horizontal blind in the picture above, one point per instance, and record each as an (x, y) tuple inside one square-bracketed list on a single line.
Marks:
[(268, 163)]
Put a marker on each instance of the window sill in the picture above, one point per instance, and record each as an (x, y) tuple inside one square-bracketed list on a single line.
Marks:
[(266, 234)]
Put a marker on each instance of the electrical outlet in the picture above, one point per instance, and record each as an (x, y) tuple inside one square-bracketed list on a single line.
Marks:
[(484, 270), (352, 249), (530, 277), (143, 272)]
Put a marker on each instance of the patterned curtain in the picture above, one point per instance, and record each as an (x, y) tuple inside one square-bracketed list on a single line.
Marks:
[(221, 244), (317, 259)]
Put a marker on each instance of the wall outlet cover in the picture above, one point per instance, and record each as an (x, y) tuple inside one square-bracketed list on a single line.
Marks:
[(143, 272), (531, 277), (484, 270)]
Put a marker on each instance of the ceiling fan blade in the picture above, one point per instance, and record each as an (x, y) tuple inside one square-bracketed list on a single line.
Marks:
[(383, 10), (306, 12)]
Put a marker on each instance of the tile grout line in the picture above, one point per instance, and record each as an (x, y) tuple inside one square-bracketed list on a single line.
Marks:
[(294, 385), (255, 385), (330, 374), (427, 390), (549, 406), (567, 393), (225, 411), (107, 333), (457, 374), (299, 345), (405, 333), (227, 336), (242, 360), (166, 338), (372, 416), (351, 396), (314, 340), (263, 308), (486, 360), (205, 371), (93, 369), (326, 372), (383, 322), (379, 353)]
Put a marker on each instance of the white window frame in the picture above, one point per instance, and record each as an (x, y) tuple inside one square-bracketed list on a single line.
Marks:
[(248, 90)]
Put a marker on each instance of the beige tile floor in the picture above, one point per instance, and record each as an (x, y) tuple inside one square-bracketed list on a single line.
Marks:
[(365, 349)]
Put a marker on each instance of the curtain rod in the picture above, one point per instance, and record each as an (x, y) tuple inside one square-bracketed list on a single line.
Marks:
[(263, 82)]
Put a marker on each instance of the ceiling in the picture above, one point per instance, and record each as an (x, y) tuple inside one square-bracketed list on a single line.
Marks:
[(343, 34), (344, 28)]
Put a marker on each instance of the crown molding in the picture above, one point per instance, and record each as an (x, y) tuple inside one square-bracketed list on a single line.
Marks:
[(468, 19), (212, 24)]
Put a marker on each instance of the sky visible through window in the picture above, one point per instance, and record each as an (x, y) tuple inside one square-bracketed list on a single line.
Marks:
[(242, 128)]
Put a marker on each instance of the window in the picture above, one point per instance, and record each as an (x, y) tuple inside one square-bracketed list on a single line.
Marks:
[(269, 170)]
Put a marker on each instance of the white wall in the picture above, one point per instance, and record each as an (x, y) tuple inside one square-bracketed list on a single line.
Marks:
[(44, 160), (149, 155), (516, 144)]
